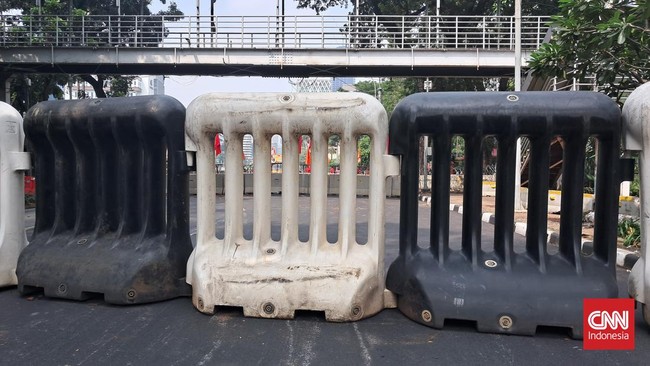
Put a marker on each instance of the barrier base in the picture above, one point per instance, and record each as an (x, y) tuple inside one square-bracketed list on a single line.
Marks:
[(8, 277), (122, 273), (344, 292), (637, 289), (514, 301)]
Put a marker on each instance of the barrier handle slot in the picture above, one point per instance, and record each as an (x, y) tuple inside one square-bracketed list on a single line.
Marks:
[(189, 159), (20, 161), (627, 169)]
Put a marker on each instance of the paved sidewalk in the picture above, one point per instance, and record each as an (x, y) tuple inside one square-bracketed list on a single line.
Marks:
[(624, 257)]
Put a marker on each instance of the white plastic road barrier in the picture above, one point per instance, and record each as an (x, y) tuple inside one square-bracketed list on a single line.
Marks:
[(12, 201), (273, 279), (636, 127)]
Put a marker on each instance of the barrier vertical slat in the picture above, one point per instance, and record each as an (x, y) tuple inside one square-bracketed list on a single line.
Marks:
[(571, 201), (44, 169), (408, 229), (605, 226), (377, 194), (154, 182), (472, 185), (537, 200), (233, 192), (64, 183), (206, 216), (290, 184), (130, 161), (147, 171), (348, 192), (440, 206), (318, 235), (261, 188), (108, 215), (505, 198), (178, 202), (86, 163)]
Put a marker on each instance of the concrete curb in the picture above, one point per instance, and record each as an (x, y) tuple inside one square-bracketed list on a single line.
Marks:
[(624, 258)]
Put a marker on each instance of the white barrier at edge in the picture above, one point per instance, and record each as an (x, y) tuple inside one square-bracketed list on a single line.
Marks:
[(12, 202), (270, 278), (636, 127)]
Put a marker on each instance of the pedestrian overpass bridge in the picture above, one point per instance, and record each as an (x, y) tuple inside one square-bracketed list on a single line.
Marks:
[(289, 46)]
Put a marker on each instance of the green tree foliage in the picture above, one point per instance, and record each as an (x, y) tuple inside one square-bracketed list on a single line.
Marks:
[(66, 15), (29, 89), (629, 230), (428, 7), (128, 7), (334, 140), (120, 86), (389, 92), (363, 145), (406, 32), (98, 7), (607, 39)]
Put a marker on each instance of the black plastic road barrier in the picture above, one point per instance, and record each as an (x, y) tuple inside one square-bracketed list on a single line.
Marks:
[(111, 200), (503, 290)]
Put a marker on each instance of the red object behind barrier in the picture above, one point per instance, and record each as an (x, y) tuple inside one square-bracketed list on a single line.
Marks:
[(30, 185)]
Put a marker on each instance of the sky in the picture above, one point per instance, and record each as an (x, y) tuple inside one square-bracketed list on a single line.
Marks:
[(186, 88)]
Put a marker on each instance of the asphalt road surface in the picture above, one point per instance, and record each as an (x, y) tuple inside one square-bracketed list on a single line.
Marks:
[(40, 331)]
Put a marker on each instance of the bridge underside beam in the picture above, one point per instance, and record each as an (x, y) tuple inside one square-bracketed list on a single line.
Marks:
[(260, 62)]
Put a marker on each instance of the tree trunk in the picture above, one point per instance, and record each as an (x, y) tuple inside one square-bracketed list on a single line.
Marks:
[(503, 84), (97, 84)]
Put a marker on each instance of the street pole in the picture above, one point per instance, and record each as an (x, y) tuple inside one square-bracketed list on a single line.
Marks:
[(282, 19), (518, 205), (198, 24), (438, 22), (355, 25), (425, 164), (119, 23), (213, 24), (277, 23), (517, 45)]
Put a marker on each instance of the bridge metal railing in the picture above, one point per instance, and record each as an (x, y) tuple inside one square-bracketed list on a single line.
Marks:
[(295, 32), (573, 84)]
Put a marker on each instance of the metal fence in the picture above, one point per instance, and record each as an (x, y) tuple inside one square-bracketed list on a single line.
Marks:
[(305, 32)]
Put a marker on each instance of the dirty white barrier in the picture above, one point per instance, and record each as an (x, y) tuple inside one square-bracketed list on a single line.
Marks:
[(636, 127), (273, 279), (12, 201)]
